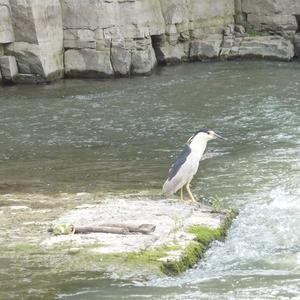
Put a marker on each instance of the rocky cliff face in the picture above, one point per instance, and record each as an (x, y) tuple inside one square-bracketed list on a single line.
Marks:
[(131, 37), (42, 40)]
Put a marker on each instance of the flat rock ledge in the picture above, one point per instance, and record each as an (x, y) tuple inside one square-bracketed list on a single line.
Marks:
[(183, 232)]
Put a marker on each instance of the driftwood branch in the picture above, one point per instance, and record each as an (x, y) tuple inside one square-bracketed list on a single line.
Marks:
[(110, 228), (103, 229), (143, 228)]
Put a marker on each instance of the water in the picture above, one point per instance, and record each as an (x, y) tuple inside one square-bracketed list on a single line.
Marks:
[(69, 142)]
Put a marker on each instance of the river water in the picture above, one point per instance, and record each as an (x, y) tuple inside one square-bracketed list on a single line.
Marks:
[(63, 144)]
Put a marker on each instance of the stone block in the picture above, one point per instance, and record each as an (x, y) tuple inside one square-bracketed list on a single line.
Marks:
[(143, 61), (172, 34), (172, 54), (275, 47), (120, 59), (99, 34), (38, 45), (270, 7), (103, 45), (276, 22), (90, 14), (142, 44), (9, 68), (208, 47), (88, 63), (70, 34), (6, 29), (79, 34), (240, 29), (35, 59), (78, 44), (229, 30), (23, 21), (212, 10), (297, 44)]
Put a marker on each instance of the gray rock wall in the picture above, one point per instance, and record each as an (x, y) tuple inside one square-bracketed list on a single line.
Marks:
[(104, 38), (31, 31), (272, 16), (123, 37)]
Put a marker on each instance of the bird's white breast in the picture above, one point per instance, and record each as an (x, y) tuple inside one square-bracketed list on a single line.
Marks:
[(197, 150), (198, 147)]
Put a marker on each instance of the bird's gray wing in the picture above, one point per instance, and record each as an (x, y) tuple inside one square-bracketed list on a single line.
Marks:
[(179, 162)]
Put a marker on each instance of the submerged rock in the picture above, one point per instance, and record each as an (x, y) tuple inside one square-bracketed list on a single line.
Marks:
[(8, 67), (183, 232)]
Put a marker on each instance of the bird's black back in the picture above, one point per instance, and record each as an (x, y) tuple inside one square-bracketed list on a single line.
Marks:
[(179, 162)]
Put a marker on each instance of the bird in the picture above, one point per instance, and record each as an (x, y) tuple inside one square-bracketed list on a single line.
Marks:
[(186, 166)]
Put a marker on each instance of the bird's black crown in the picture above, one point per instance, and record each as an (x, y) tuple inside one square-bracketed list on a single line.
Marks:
[(204, 129)]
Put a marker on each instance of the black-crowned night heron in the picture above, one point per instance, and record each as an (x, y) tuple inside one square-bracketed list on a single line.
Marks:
[(185, 167)]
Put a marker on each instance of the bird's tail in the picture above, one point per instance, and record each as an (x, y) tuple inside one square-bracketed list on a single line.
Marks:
[(166, 189)]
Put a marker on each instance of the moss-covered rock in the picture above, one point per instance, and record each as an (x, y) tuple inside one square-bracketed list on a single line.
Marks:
[(175, 259), (183, 232), (204, 236)]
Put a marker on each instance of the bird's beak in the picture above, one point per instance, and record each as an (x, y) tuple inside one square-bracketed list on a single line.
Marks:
[(219, 137)]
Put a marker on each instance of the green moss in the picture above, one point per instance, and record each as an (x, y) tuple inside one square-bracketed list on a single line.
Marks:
[(150, 254), (189, 258), (253, 32), (149, 258), (204, 236)]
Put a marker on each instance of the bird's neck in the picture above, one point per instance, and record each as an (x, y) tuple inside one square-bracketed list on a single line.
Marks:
[(198, 146)]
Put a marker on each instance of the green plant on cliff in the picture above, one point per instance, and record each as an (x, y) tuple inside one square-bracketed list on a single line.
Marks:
[(217, 204), (253, 32), (178, 223)]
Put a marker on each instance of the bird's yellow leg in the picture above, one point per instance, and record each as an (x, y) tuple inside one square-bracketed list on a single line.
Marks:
[(190, 192), (181, 194)]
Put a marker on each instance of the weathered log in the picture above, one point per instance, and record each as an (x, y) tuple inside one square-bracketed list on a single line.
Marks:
[(143, 228), (103, 228)]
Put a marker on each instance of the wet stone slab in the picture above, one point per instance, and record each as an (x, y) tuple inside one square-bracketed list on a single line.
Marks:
[(170, 218), (170, 242)]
